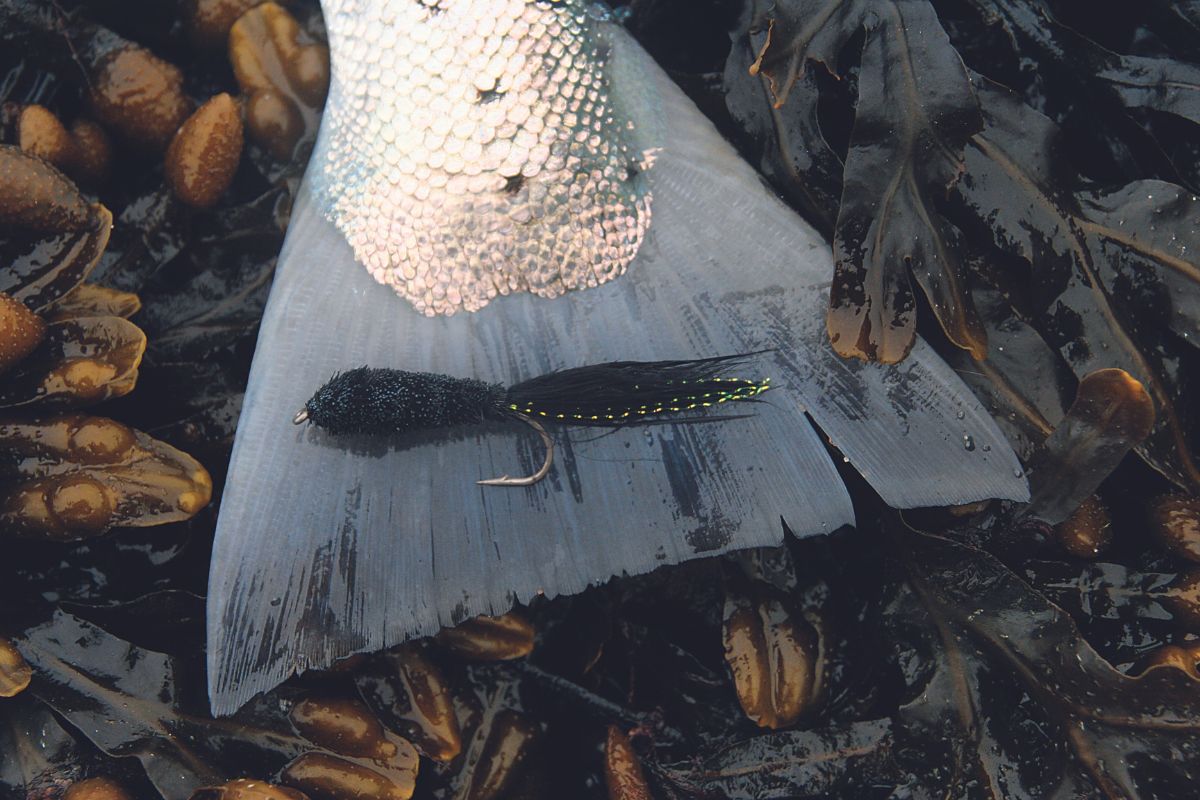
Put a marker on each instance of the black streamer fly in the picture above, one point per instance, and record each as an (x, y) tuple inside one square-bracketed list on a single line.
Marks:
[(618, 393)]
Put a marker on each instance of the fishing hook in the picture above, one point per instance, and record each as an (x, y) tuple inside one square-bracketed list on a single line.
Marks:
[(302, 417), (535, 477)]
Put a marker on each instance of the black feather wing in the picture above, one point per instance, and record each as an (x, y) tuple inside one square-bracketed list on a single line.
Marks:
[(623, 392)]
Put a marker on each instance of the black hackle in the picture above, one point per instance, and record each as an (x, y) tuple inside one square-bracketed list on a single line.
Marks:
[(386, 401)]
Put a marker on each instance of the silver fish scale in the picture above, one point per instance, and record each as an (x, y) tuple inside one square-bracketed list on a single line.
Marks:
[(472, 149)]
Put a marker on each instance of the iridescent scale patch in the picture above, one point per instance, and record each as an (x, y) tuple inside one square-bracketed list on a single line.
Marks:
[(473, 149)]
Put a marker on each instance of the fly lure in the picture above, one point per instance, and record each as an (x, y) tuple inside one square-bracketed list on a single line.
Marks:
[(391, 401)]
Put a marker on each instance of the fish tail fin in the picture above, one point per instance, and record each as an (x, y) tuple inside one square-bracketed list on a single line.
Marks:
[(329, 547)]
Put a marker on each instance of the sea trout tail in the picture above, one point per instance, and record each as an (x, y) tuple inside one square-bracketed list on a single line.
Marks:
[(326, 548)]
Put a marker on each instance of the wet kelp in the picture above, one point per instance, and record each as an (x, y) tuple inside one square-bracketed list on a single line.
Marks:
[(1035, 219), (1022, 165), (68, 345), (71, 476), (905, 150)]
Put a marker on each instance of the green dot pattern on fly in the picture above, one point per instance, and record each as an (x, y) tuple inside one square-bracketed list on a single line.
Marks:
[(688, 400)]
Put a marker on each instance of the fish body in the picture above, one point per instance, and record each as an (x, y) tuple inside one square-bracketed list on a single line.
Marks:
[(634, 233), (476, 149)]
